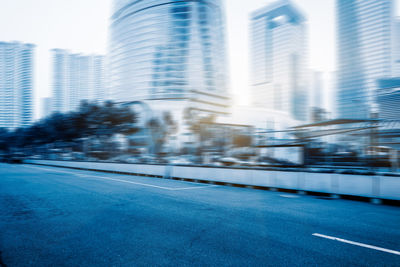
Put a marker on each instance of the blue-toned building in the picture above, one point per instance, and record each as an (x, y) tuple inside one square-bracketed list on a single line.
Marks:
[(364, 54), (16, 84), (396, 48), (279, 59), (388, 98), (47, 107), (169, 54), (76, 77)]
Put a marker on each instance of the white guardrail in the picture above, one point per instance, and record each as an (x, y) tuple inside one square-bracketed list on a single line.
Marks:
[(374, 186)]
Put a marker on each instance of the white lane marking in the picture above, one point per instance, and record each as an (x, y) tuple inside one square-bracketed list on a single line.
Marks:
[(124, 181), (44, 168), (289, 196), (193, 187), (357, 244)]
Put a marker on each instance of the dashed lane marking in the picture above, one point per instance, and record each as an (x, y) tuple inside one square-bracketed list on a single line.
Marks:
[(357, 244), (289, 196)]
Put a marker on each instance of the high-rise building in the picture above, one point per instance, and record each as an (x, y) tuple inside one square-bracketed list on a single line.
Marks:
[(388, 98), (396, 48), (318, 108), (16, 84), (317, 89), (46, 107), (75, 78), (59, 80), (98, 78), (169, 54), (279, 59), (364, 54)]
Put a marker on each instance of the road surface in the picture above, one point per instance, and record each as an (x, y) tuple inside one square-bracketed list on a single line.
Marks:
[(61, 217)]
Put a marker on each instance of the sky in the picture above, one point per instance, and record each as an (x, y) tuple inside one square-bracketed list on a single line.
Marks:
[(82, 27)]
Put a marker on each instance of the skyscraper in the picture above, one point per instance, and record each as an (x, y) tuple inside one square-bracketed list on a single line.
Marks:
[(388, 98), (169, 54), (16, 84), (75, 78), (46, 107), (364, 53), (317, 107), (396, 48), (279, 59), (317, 89)]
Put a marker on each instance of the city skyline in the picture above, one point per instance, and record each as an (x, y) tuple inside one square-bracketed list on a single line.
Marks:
[(59, 24), (199, 132), (71, 29)]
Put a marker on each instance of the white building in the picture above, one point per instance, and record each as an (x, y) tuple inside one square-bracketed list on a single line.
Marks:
[(396, 48), (47, 107), (16, 84), (364, 54), (169, 54), (318, 89), (279, 59), (76, 77)]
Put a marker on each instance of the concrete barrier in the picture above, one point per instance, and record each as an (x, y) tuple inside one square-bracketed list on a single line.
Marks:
[(369, 186)]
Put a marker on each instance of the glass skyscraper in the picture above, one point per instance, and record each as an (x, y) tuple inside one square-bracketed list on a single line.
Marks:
[(16, 84), (169, 52), (279, 59), (388, 98), (396, 48), (75, 78), (364, 54)]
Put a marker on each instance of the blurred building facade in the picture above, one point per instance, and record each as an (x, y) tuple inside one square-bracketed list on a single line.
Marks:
[(262, 119), (16, 84), (169, 54), (47, 107), (76, 77), (317, 86), (396, 48), (269, 128), (364, 53), (319, 111), (388, 98), (279, 59)]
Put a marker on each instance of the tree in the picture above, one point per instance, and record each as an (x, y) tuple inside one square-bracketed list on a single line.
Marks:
[(198, 126), (90, 121), (4, 140), (160, 130)]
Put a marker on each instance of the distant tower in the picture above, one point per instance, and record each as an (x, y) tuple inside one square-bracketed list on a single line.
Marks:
[(169, 54), (16, 84), (317, 89), (318, 109), (279, 59), (364, 53), (98, 78), (60, 61), (75, 78)]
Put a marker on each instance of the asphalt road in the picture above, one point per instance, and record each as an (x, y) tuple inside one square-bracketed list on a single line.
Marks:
[(61, 217)]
